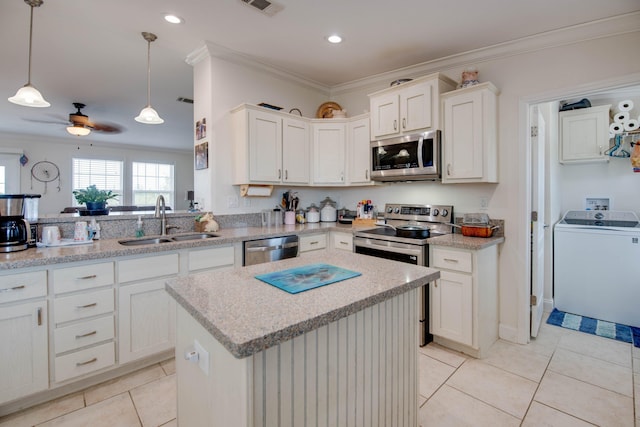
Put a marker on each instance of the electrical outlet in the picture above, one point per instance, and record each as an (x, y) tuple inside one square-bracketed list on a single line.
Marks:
[(484, 202), (246, 202), (232, 201), (203, 357)]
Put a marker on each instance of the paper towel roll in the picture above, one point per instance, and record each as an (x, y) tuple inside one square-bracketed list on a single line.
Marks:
[(616, 128), (631, 124), (626, 105), (621, 117)]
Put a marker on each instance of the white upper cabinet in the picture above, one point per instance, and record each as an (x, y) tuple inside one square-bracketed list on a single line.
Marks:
[(270, 147), (409, 107), (329, 152), (469, 136), (584, 134), (358, 152)]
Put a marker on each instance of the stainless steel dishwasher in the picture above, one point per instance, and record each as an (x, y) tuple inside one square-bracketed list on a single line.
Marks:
[(267, 250)]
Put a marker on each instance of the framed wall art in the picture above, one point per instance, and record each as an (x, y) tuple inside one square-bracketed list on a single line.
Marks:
[(202, 155), (201, 129)]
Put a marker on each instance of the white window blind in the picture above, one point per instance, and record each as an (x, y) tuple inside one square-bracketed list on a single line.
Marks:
[(3, 180), (104, 174), (151, 180)]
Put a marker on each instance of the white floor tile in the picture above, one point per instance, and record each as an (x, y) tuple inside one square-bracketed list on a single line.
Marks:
[(156, 401), (169, 366), (452, 408), (44, 412), (432, 374), (593, 371), (601, 348), (503, 390), (121, 384), (585, 401), (443, 354), (115, 411), (541, 415), (517, 359)]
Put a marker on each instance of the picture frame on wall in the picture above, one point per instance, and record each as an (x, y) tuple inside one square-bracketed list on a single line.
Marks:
[(201, 129), (202, 155)]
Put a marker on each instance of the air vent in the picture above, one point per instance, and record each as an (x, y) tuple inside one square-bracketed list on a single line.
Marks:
[(185, 100), (267, 7)]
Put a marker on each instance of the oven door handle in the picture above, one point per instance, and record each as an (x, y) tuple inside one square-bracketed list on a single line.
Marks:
[(370, 243)]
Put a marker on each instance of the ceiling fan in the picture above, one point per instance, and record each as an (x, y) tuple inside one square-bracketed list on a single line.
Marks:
[(80, 125)]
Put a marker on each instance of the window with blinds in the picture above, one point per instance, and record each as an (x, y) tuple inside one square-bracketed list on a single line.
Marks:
[(151, 180), (3, 180), (104, 174)]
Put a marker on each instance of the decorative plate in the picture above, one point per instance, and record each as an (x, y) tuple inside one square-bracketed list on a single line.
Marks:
[(325, 111)]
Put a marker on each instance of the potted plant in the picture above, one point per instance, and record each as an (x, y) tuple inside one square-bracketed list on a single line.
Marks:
[(94, 199)]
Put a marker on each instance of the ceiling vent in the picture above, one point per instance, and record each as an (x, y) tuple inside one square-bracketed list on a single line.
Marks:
[(267, 7)]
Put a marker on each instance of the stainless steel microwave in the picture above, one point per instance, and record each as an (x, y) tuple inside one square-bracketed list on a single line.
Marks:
[(407, 158)]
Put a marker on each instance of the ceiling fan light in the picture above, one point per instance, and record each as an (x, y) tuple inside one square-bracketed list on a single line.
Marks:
[(29, 96), (149, 116), (78, 130)]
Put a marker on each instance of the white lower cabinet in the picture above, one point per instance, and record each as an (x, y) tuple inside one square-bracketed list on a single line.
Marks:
[(146, 313), (464, 301), (24, 361), (342, 241), (312, 242), (211, 258)]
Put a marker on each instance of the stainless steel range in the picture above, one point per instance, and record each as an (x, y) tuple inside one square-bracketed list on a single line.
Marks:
[(384, 242)]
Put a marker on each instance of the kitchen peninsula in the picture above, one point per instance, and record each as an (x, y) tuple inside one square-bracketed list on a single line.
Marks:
[(250, 354)]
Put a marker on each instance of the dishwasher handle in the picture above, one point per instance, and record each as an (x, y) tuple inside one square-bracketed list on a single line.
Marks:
[(271, 248)]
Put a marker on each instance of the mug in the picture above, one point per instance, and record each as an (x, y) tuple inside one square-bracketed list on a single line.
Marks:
[(290, 217), (81, 231), (51, 235)]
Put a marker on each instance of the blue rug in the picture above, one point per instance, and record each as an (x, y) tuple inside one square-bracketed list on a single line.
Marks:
[(601, 328)]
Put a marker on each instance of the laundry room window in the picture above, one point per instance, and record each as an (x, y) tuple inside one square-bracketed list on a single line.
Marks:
[(104, 174), (151, 180)]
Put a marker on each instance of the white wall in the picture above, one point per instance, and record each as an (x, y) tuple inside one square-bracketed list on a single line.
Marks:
[(539, 69), (60, 151)]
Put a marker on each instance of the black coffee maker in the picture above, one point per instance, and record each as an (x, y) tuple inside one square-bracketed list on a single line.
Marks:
[(15, 231)]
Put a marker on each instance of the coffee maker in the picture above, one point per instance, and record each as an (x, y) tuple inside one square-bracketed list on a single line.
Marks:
[(15, 231)]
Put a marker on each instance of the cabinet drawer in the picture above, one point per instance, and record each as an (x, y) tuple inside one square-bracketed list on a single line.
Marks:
[(83, 334), (14, 287), (211, 258), (312, 243), (343, 241), (84, 361), (451, 260), (82, 277), (83, 305), (130, 270)]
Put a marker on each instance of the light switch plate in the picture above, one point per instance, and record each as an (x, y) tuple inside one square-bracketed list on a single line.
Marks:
[(203, 360)]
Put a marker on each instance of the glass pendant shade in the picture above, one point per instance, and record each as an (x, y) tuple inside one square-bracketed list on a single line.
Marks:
[(78, 130), (29, 96), (149, 116)]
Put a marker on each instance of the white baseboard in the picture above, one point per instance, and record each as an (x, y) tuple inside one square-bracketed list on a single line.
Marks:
[(547, 305), (508, 333)]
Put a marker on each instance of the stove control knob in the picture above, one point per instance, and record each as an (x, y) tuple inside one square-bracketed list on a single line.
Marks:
[(396, 210), (389, 209), (445, 212), (435, 212), (599, 215)]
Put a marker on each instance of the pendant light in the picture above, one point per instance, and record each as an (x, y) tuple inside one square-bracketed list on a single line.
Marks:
[(148, 115), (28, 95)]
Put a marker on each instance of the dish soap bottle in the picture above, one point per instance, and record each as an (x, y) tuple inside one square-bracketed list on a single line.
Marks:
[(139, 229)]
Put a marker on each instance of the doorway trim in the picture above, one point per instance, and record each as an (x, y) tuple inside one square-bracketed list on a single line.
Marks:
[(524, 104)]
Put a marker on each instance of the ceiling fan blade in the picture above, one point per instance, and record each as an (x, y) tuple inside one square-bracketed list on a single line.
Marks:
[(105, 127)]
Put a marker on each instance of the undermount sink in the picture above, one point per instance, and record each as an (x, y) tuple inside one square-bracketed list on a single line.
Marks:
[(167, 239)]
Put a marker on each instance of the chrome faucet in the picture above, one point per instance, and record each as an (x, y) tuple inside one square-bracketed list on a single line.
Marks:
[(161, 212)]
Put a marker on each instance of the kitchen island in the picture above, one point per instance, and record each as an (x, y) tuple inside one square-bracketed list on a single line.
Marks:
[(250, 354)]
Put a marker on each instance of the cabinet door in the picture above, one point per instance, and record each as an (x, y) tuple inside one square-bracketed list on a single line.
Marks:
[(342, 241), (452, 307), (462, 137), (295, 151), (584, 134), (146, 320), (265, 147), (24, 350), (385, 115), (329, 147), (359, 152), (416, 107)]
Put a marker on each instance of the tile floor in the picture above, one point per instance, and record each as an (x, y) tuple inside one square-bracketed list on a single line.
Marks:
[(562, 378)]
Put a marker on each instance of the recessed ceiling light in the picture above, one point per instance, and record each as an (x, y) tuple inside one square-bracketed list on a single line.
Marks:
[(334, 39), (173, 19)]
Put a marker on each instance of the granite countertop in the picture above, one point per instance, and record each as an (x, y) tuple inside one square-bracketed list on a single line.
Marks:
[(247, 315), (109, 248)]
